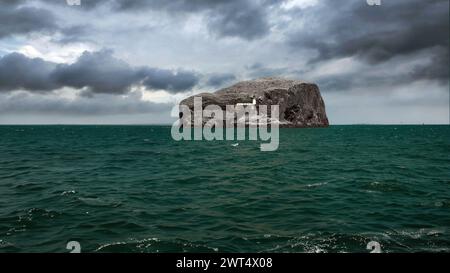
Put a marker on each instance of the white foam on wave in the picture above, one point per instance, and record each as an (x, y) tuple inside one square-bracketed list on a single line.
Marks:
[(315, 185), (68, 192), (131, 241), (110, 244)]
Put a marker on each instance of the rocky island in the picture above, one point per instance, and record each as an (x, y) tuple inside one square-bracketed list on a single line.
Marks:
[(300, 103)]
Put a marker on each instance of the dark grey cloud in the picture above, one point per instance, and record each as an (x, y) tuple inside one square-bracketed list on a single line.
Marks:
[(20, 72), (100, 72), (378, 34), (244, 20), (224, 18), (438, 69), (175, 5), (95, 72), (247, 20), (17, 17), (384, 76), (172, 81), (24, 20)]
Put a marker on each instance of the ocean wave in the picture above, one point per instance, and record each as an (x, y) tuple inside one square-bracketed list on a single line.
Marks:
[(154, 245), (99, 202)]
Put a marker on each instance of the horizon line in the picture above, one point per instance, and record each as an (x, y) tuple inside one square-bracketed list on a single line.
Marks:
[(169, 124)]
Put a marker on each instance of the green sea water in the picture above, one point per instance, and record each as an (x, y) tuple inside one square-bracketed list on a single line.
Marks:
[(134, 189)]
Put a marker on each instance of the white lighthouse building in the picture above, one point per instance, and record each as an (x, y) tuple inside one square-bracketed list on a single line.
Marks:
[(248, 104)]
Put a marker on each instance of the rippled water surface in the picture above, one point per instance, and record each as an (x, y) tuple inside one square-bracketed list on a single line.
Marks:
[(134, 189)]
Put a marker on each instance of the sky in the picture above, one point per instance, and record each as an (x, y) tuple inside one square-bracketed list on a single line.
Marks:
[(132, 61)]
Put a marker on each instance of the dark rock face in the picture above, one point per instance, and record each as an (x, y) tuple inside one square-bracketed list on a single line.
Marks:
[(300, 103)]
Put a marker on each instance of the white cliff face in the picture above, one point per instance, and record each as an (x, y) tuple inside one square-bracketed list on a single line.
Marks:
[(300, 103)]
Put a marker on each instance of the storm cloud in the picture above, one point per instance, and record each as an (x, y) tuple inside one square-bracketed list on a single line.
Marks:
[(96, 72), (247, 20), (224, 18), (100, 72), (24, 20), (20, 72), (172, 81), (378, 34)]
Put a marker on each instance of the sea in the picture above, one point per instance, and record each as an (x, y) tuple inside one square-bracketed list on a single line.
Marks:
[(135, 189)]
